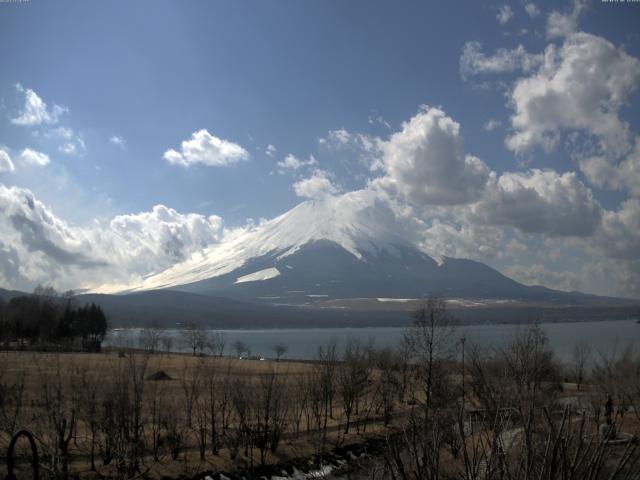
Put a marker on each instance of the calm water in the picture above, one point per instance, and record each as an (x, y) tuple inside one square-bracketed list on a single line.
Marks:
[(603, 337)]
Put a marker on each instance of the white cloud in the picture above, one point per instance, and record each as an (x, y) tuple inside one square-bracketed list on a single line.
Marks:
[(117, 140), (343, 139), (425, 162), (581, 86), (37, 246), (271, 150), (619, 235), (532, 10), (34, 231), (35, 110), (505, 13), (615, 248), (337, 138), (60, 132), (624, 175), (367, 148), (291, 162), (206, 149), (6, 165), (539, 201), (491, 124), (68, 148), (316, 186), (464, 240), (154, 240), (473, 61), (561, 24), (539, 274), (33, 157)]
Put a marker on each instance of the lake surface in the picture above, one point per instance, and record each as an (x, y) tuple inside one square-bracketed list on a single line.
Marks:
[(603, 336)]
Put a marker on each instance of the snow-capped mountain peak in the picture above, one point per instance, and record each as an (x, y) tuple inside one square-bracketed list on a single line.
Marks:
[(358, 222)]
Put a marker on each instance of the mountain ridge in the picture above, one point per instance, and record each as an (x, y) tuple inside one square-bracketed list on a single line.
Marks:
[(348, 246)]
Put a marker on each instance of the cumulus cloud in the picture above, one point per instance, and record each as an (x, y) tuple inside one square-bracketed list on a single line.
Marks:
[(474, 61), (425, 162), (38, 247), (539, 201), (41, 232), (604, 173), (619, 235), (206, 149), (291, 162), (152, 241), (505, 13), (6, 165), (318, 185), (35, 110), (560, 24), (616, 244), (446, 237), (29, 156), (580, 86)]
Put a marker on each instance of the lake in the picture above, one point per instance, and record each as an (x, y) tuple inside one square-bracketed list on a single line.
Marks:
[(603, 336)]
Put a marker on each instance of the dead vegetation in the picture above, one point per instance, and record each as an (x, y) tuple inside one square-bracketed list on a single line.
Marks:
[(503, 413)]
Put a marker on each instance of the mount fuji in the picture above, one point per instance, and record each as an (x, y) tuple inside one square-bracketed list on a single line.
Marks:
[(353, 246)]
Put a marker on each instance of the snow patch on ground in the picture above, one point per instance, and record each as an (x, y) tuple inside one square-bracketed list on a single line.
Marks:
[(401, 300), (259, 276)]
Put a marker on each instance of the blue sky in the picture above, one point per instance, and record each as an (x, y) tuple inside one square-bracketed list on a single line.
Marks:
[(134, 80)]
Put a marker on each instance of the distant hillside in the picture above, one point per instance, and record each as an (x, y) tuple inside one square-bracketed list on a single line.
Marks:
[(168, 308)]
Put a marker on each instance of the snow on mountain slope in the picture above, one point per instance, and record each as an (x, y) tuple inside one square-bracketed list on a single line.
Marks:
[(259, 276), (357, 221)]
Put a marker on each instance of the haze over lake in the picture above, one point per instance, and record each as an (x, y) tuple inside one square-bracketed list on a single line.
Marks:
[(303, 343)]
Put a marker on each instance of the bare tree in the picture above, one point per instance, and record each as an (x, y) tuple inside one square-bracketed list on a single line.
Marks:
[(326, 371), (157, 408), (240, 348), (430, 342), (353, 377), (12, 390), (190, 383), (194, 338), (167, 342), (581, 357), (91, 393), (280, 349), (215, 342), (269, 413), (149, 339), (60, 405)]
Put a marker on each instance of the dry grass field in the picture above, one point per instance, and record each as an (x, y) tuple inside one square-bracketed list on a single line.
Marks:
[(175, 411), (132, 413)]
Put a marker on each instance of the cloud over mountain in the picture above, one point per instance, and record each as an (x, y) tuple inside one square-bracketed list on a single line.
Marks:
[(425, 162)]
